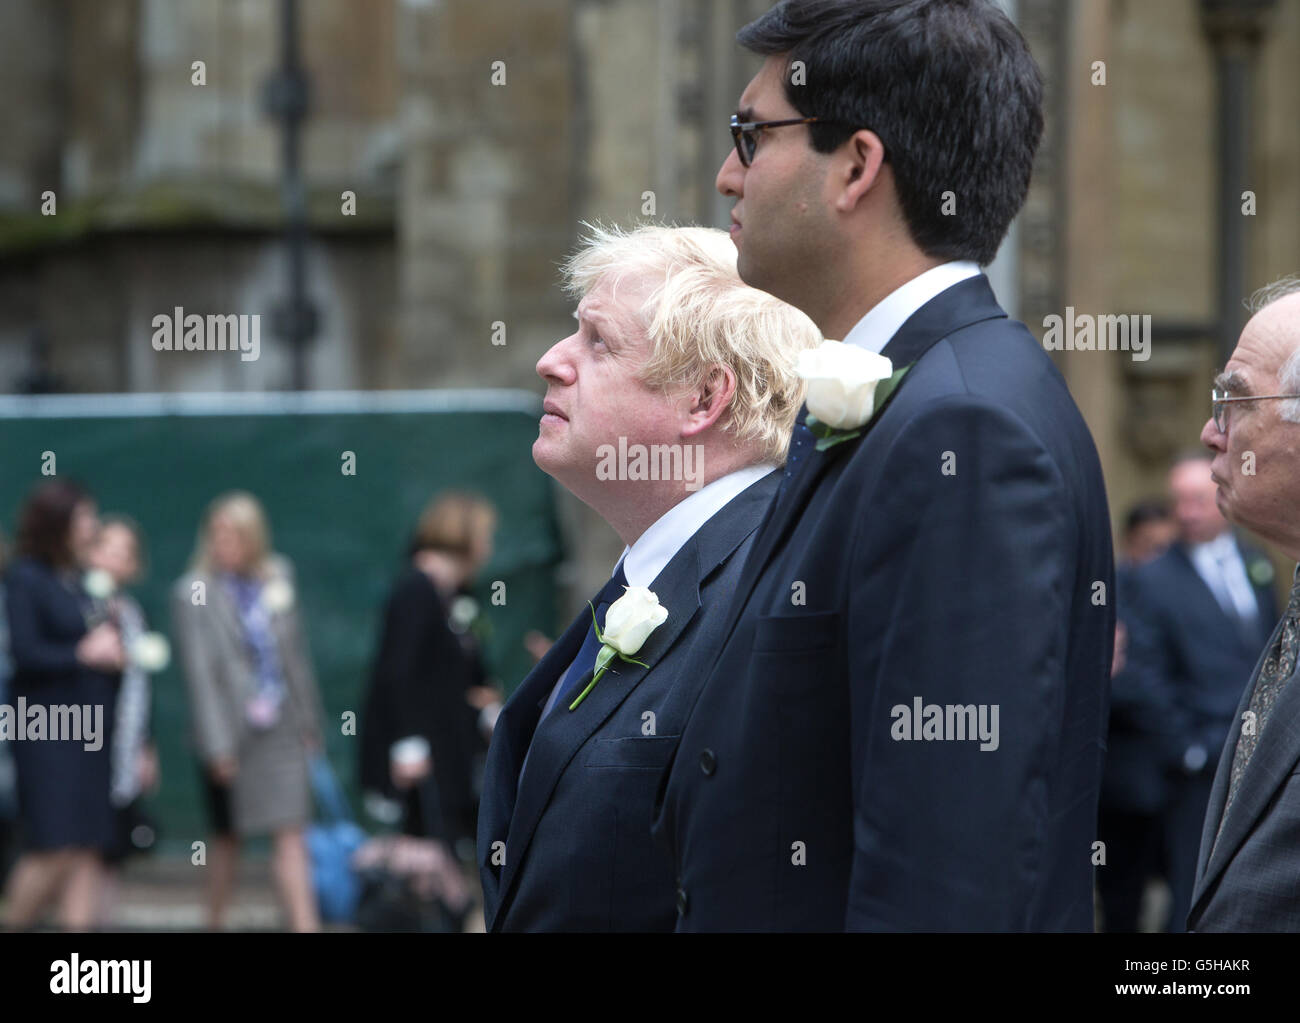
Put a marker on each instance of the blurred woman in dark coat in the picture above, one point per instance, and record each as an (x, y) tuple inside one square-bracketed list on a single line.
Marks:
[(65, 653), (427, 688)]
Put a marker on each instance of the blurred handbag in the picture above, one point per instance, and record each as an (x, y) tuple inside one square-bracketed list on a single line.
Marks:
[(331, 841)]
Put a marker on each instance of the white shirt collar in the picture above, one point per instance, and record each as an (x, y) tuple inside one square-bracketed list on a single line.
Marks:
[(645, 559), (881, 323), (1222, 546)]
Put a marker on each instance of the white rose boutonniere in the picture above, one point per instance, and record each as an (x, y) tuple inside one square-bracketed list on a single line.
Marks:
[(463, 612), (847, 386), (151, 652), (277, 596), (628, 623), (98, 583)]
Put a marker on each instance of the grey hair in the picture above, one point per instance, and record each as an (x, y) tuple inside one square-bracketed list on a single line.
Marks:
[(1288, 377)]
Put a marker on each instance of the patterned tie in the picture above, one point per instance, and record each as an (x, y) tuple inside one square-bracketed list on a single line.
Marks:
[(585, 663), (801, 442), (1277, 668)]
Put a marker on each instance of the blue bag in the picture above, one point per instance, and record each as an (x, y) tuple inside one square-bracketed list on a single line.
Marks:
[(330, 844)]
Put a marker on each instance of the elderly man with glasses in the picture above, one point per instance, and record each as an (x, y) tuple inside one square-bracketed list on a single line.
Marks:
[(1248, 873)]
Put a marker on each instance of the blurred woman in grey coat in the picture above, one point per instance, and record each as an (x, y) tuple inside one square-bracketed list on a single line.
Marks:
[(254, 705)]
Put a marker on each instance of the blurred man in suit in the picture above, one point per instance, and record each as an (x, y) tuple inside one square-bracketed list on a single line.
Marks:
[(904, 728), (672, 352), (1248, 872), (1196, 617)]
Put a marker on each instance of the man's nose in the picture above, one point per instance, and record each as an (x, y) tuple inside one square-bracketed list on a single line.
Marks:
[(731, 175), (1212, 438), (556, 364)]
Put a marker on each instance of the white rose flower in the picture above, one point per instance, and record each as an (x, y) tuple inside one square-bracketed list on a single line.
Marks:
[(463, 612), (277, 596), (842, 382), (99, 583), (151, 652), (630, 620)]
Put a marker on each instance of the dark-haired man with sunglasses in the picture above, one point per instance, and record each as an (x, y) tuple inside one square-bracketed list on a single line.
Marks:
[(904, 726)]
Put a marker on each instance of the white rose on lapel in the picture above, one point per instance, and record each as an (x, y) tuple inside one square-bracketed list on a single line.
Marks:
[(151, 652), (277, 596), (630, 620), (98, 583), (463, 612), (842, 382), (628, 623)]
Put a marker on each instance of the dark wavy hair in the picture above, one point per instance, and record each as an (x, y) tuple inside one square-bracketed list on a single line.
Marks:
[(45, 521), (949, 86)]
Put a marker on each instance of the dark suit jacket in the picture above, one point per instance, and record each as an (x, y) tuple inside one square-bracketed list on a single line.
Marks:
[(1187, 664), (576, 834), (790, 804), (421, 672), (1250, 879)]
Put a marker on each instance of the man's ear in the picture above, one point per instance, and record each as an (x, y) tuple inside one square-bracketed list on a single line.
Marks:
[(857, 169), (710, 400)]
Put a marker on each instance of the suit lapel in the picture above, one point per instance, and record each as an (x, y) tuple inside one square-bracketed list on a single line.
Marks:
[(514, 731), (1275, 757), (968, 302), (563, 732)]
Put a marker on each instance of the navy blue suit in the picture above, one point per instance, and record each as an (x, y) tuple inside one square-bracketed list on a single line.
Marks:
[(959, 552), (574, 830), (1188, 662)]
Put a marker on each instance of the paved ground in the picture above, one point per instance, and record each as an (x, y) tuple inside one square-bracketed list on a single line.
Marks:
[(159, 893)]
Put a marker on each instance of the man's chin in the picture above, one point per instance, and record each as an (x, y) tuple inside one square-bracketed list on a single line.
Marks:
[(1223, 505)]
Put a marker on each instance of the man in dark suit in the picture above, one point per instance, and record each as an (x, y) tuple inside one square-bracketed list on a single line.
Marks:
[(904, 727), (1197, 616), (703, 370), (1248, 870)]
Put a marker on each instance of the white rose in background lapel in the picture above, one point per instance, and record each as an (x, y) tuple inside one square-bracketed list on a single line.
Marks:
[(150, 652), (98, 583), (628, 624), (462, 613), (844, 389), (277, 595)]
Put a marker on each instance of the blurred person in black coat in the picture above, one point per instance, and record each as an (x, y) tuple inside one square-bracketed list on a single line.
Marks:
[(428, 692), (1132, 787), (64, 654)]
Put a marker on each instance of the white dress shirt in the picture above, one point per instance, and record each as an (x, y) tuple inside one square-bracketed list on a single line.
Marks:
[(1219, 563), (881, 323), (653, 549)]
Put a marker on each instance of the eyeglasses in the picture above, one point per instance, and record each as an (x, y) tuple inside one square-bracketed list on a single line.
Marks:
[(1219, 404), (745, 133)]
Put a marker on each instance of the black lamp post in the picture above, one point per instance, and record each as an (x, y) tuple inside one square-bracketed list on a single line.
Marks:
[(287, 97)]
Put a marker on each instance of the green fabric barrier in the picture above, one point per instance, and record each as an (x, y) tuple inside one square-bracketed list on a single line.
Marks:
[(161, 459)]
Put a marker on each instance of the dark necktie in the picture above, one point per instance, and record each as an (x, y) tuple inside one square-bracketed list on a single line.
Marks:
[(801, 442), (1277, 669), (585, 663)]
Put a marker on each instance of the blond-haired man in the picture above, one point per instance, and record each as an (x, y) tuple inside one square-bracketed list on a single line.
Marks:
[(668, 411)]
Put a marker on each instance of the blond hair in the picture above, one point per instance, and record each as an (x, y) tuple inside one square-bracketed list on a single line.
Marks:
[(246, 515), (700, 315), (456, 523)]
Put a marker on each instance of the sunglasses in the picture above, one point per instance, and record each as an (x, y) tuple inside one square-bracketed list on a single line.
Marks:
[(745, 133)]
